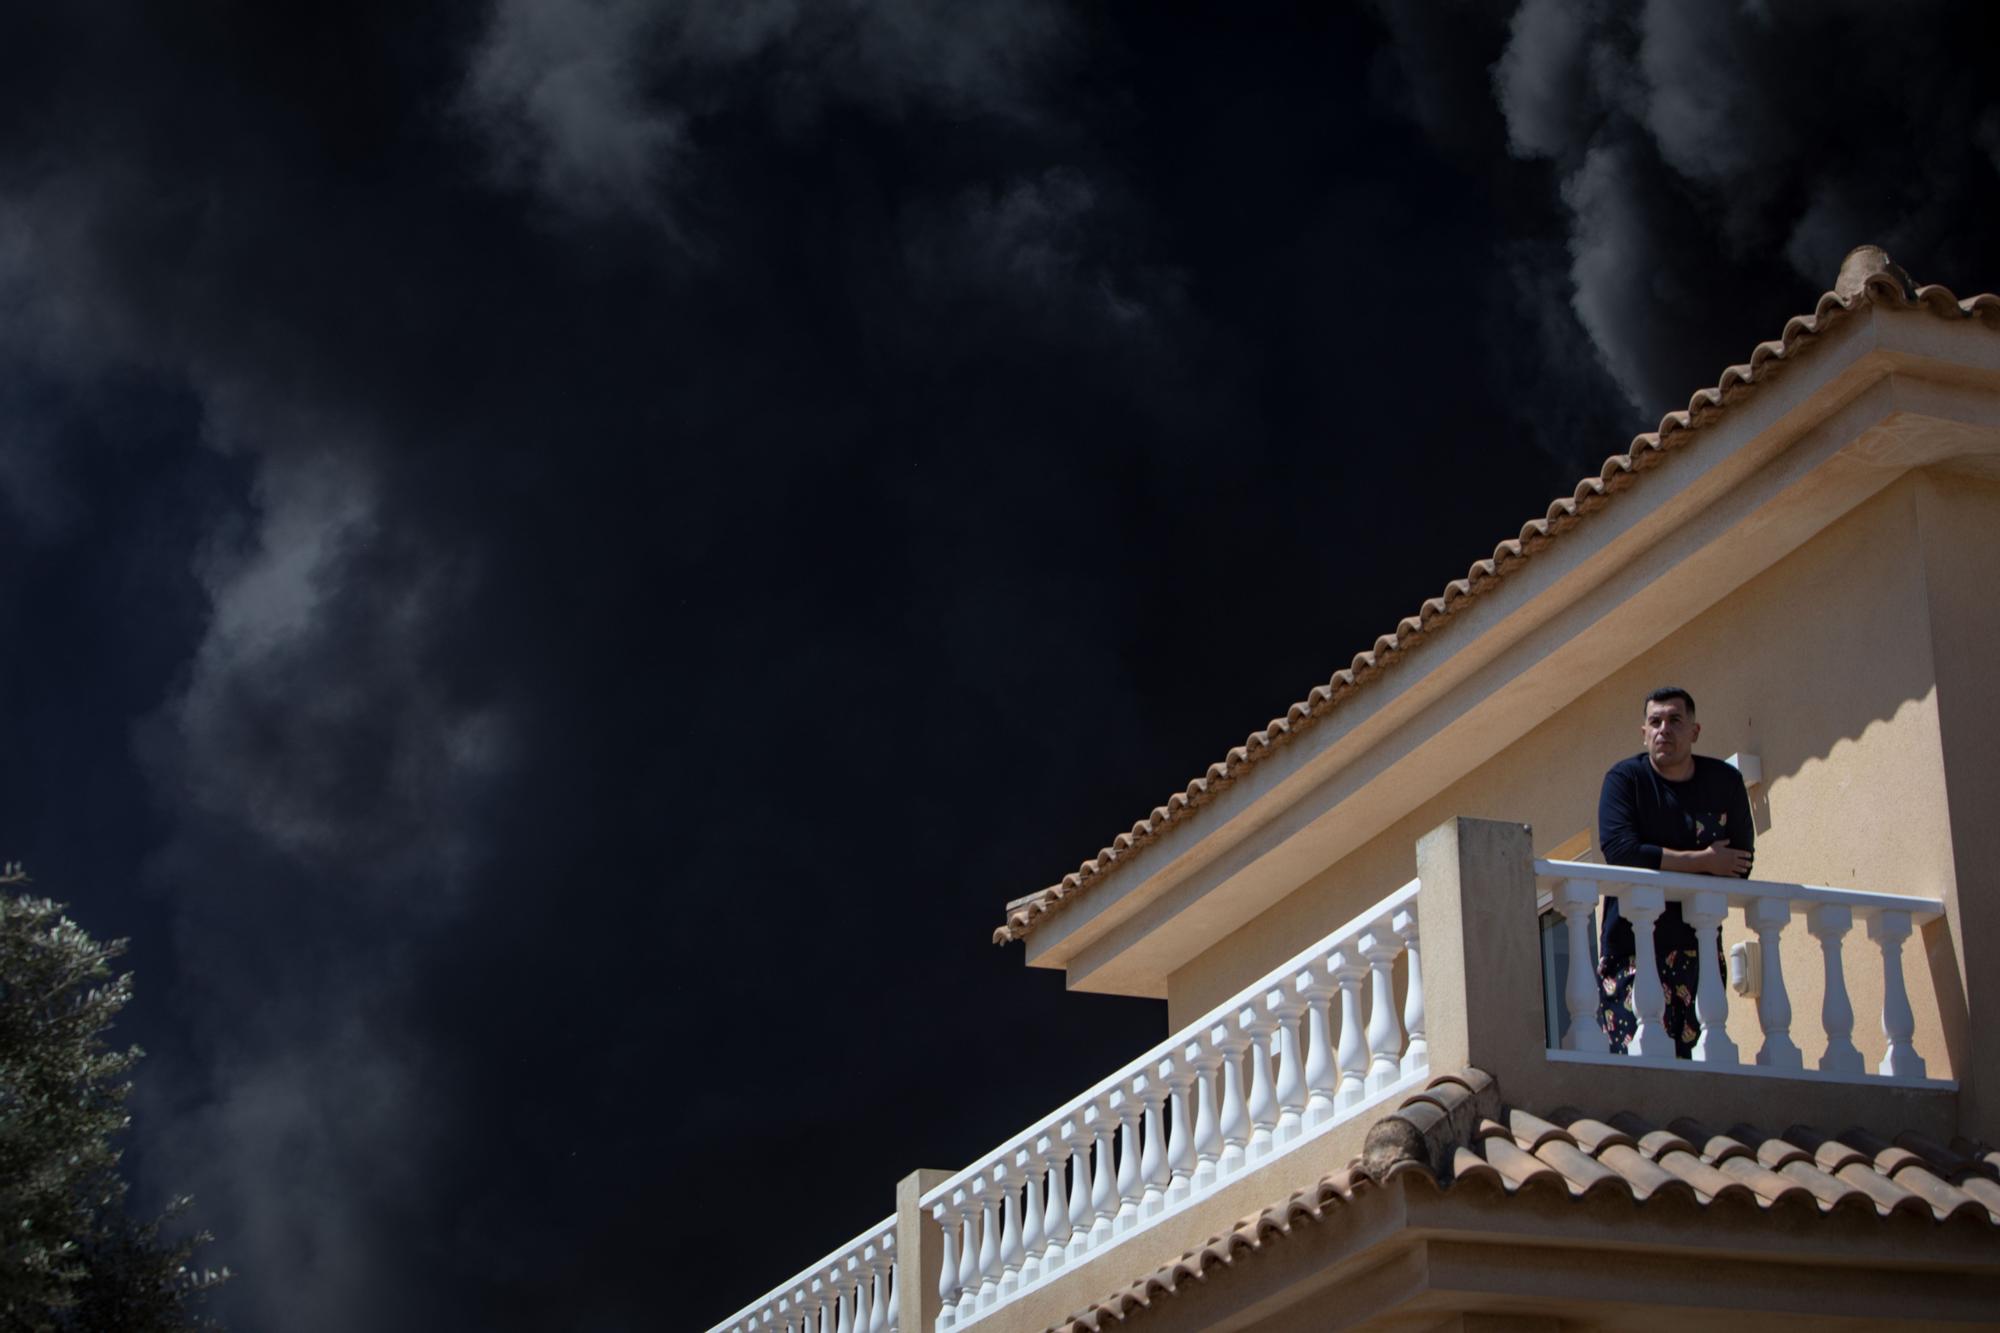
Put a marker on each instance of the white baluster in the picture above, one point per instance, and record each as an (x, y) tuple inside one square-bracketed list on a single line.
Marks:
[(989, 1241), (1829, 923), (968, 1254), (1705, 912), (1153, 1175), (1079, 1187), (1285, 1009), (1385, 1030), (1578, 899), (799, 1314), (843, 1302), (1322, 1073), (1349, 971), (947, 1283), (1031, 1163), (822, 1323), (1103, 1189), (894, 1319), (1650, 1039), (1234, 1125), (1055, 1209), (1256, 1024), (1129, 1109), (1889, 930), (1768, 917), (1417, 1051), (1013, 1252), (1207, 1141), (859, 1280), (1180, 1135), (878, 1301)]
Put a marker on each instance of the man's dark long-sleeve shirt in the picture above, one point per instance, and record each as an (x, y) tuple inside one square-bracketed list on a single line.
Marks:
[(1641, 813)]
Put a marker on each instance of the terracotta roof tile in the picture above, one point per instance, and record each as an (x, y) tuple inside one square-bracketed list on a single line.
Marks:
[(1867, 278), (1510, 1150)]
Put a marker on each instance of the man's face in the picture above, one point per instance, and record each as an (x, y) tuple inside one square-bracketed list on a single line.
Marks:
[(1669, 733)]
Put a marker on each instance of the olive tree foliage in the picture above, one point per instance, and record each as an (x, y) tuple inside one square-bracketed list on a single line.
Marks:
[(70, 1256)]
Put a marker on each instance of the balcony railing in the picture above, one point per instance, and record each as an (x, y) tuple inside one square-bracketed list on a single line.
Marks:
[(1767, 909), (855, 1289), (1321, 1041), (1253, 1079)]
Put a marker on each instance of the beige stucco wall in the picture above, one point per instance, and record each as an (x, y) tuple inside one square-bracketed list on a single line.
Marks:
[(1821, 666), (1956, 516)]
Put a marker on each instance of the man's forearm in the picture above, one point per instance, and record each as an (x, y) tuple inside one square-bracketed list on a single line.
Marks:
[(1719, 859)]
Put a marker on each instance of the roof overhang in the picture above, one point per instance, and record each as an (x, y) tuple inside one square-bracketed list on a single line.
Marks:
[(1884, 391)]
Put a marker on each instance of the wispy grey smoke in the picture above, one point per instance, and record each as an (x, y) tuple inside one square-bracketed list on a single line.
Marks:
[(309, 733), (598, 104), (1703, 147)]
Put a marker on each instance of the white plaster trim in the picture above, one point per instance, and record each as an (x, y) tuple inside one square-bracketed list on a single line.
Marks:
[(1752, 1071)]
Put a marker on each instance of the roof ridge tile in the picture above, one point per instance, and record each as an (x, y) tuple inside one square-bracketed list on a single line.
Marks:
[(1595, 1135), (1531, 1131)]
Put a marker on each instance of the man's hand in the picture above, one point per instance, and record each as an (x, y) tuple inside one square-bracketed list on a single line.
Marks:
[(1718, 858)]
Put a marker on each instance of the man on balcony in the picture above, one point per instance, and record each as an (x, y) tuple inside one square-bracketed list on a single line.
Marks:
[(1666, 808)]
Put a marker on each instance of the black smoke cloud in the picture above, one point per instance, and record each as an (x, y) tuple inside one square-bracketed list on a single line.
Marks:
[(566, 558), (1712, 159)]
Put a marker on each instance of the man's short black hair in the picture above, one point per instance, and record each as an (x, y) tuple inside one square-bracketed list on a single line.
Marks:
[(1667, 693)]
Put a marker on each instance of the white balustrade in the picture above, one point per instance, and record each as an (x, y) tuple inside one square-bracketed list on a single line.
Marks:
[(1577, 899), (1259, 1027), (1416, 1050), (1153, 1174), (1234, 1124), (1055, 1209), (1034, 1212), (1244, 1084), (1322, 1072), (1103, 1194), (1704, 912), (989, 1242), (1129, 1111), (1649, 1041), (1286, 1007), (1207, 1142), (1767, 909), (1348, 972), (1077, 1232), (1180, 1139), (1013, 1253), (851, 1290), (1829, 924), (1889, 929), (1380, 947), (967, 1295)]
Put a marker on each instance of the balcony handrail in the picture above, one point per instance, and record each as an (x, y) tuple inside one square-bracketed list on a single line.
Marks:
[(1183, 1036), (850, 1259), (1676, 885)]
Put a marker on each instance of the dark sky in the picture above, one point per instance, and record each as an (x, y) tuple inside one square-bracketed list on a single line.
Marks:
[(563, 560)]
